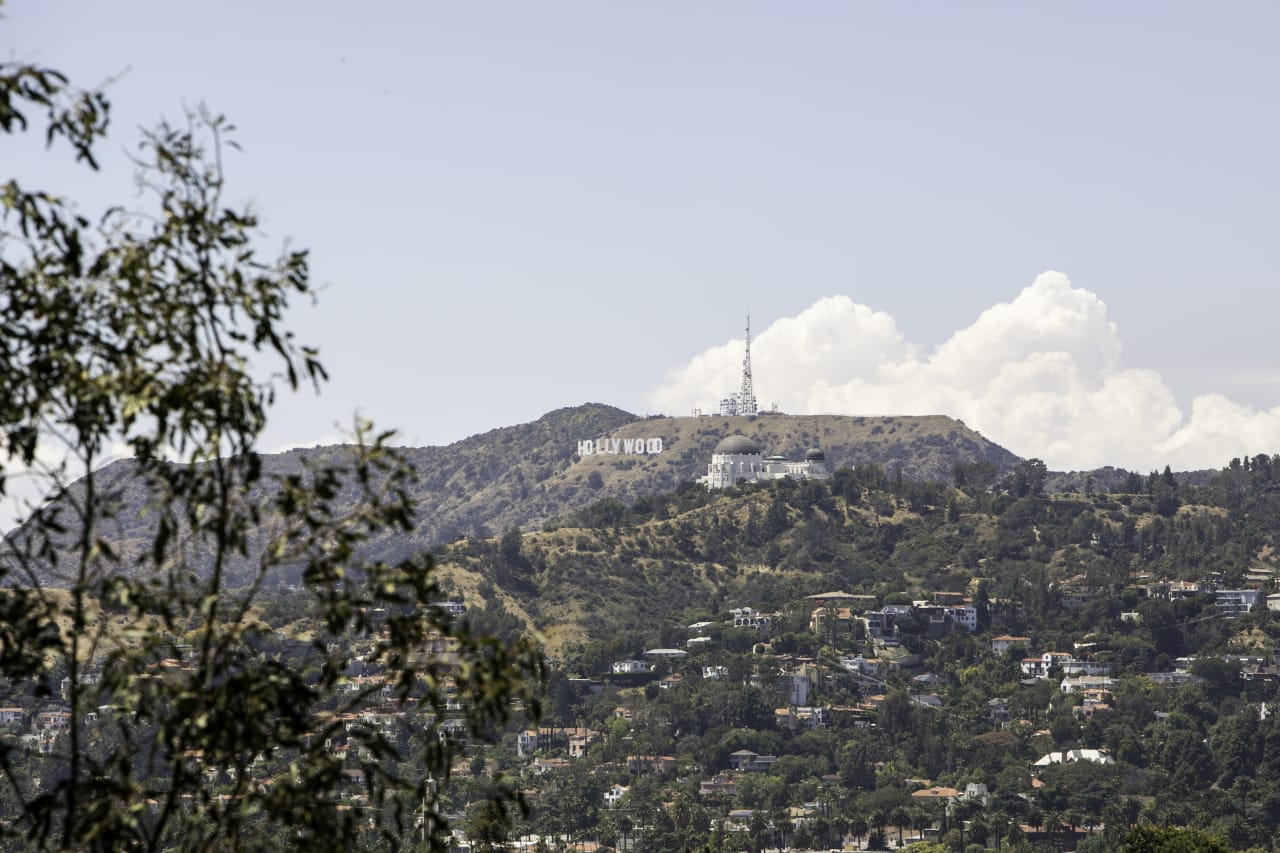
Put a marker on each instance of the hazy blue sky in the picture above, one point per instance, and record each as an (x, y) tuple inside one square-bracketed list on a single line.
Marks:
[(519, 206)]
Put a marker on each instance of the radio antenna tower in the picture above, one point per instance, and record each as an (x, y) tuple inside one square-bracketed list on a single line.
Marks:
[(747, 396)]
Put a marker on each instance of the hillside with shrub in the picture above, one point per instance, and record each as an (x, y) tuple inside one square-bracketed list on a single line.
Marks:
[(1128, 583)]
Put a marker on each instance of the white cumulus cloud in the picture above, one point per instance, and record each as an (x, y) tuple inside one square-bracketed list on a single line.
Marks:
[(1041, 375)]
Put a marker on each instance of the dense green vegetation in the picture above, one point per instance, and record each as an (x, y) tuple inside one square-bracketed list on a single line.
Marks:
[(1083, 574)]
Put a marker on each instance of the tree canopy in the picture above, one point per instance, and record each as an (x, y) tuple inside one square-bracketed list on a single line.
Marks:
[(181, 720)]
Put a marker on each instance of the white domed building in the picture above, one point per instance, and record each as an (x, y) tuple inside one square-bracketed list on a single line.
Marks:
[(738, 458)]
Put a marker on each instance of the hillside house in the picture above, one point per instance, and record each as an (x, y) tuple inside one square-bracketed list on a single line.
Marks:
[(871, 667), (630, 667), (542, 766), (831, 620), (580, 741), (795, 718), (1075, 598), (1039, 666), (722, 785), (881, 624), (746, 617), (651, 765), (1085, 667), (1234, 603), (1002, 644), (842, 599), (666, 654), (942, 619), (1177, 590), (1173, 679), (747, 761), (1087, 708), (1078, 683), (796, 685), (1063, 756), (56, 720)]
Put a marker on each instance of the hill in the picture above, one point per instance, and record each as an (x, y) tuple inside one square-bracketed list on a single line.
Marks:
[(628, 576), (531, 474)]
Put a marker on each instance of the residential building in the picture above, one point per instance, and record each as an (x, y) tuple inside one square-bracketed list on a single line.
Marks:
[(1095, 756), (630, 667), (750, 762), (1039, 666), (651, 765), (1001, 645), (1074, 684), (746, 617), (1234, 603)]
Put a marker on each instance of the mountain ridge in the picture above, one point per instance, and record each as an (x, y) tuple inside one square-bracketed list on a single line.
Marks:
[(532, 475)]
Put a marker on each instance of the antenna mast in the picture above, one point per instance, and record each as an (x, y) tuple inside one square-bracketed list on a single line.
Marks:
[(747, 396)]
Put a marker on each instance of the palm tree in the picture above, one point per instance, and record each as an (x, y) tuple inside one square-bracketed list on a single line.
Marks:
[(625, 825), (998, 822), (899, 816), (1053, 822), (757, 829), (857, 825), (921, 820), (783, 825), (607, 831), (879, 819)]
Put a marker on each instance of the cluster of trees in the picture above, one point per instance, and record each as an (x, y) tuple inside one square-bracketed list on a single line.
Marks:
[(1198, 753)]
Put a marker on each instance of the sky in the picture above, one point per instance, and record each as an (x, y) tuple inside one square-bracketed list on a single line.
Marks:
[(1056, 222)]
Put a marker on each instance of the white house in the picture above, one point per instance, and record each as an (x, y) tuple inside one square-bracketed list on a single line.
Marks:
[(1078, 683), (746, 617), (629, 667), (1038, 667), (1096, 756), (1001, 645)]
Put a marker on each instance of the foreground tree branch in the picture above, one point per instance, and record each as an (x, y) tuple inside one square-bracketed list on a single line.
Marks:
[(184, 720)]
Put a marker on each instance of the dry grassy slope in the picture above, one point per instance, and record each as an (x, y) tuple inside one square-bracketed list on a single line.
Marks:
[(596, 579), (531, 473), (922, 448)]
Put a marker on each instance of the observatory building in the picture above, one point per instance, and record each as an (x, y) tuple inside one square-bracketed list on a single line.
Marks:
[(738, 458)]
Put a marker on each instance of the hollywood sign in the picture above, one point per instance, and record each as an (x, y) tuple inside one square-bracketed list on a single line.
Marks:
[(617, 446)]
